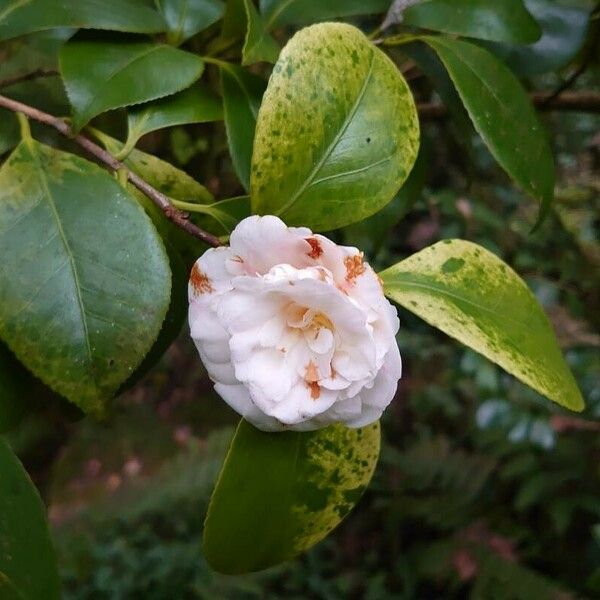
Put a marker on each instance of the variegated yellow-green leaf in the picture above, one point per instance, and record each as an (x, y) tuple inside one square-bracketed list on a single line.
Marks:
[(476, 298), (84, 277), (280, 493), (337, 132)]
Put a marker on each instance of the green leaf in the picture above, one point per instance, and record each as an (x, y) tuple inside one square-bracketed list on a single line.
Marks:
[(259, 46), (280, 493), (564, 30), (502, 114), (25, 54), (174, 319), (242, 95), (84, 280), (285, 12), (474, 297), (9, 131), (18, 17), (337, 132), (194, 105), (185, 18), (372, 233), (217, 218), (124, 73), (28, 567), (235, 21), (500, 20), (14, 380)]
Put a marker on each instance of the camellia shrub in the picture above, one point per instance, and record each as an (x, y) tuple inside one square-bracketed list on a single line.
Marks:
[(106, 248)]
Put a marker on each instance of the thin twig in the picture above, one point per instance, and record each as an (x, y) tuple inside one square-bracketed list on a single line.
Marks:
[(584, 101), (37, 74), (173, 214)]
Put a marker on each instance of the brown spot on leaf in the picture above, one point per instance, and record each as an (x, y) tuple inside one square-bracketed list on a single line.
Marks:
[(316, 248), (355, 267), (200, 281)]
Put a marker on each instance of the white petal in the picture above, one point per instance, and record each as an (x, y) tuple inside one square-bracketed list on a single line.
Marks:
[(264, 242), (238, 398)]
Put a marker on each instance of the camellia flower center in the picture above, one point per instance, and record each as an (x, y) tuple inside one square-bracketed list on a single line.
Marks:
[(318, 332)]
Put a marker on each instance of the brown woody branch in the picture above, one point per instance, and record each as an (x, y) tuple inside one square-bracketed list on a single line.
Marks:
[(173, 214), (28, 77), (584, 101)]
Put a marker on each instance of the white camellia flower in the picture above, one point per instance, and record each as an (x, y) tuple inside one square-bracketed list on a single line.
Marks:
[(293, 329)]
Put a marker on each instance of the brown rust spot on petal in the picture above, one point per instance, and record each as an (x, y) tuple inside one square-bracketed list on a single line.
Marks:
[(316, 248), (355, 267), (315, 390), (311, 378), (200, 281)]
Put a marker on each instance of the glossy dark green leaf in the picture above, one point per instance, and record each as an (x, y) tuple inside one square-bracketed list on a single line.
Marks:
[(242, 95), (28, 569), (434, 70), (564, 30), (259, 46), (186, 18), (124, 73), (194, 105), (476, 298), (280, 493), (18, 17), (500, 20), (502, 114), (337, 132), (285, 12), (84, 280)]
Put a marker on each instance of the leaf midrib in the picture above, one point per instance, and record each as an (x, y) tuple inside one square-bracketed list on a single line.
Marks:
[(445, 292), (31, 145), (327, 154)]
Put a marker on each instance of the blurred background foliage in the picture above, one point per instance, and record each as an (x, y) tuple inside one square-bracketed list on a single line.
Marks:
[(484, 490)]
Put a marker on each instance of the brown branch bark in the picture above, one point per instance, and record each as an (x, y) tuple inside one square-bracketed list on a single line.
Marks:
[(584, 101), (173, 214), (28, 77)]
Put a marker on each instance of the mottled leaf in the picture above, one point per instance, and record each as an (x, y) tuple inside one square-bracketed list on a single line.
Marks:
[(84, 281), (371, 234), (124, 73), (18, 17), (194, 105), (502, 114), (186, 18), (259, 46), (28, 567), (474, 297), (337, 132), (242, 95), (285, 12), (500, 20), (280, 493)]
